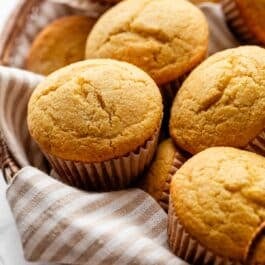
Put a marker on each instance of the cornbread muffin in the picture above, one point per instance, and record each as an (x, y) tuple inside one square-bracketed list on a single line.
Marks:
[(157, 180), (246, 18), (97, 111), (218, 197), (59, 44), (222, 102), (158, 36)]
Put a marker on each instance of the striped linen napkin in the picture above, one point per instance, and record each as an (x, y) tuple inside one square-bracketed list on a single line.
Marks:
[(63, 225)]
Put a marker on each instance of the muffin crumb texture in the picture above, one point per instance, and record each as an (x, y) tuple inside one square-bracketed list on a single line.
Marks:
[(219, 196), (156, 35), (94, 110), (222, 102)]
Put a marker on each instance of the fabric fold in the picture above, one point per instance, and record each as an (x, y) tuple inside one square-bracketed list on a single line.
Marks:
[(61, 224)]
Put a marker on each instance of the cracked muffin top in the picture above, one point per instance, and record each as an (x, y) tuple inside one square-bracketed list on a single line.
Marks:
[(219, 197), (94, 110), (166, 38), (222, 102)]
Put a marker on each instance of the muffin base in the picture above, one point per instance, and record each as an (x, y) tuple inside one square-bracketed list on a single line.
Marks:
[(236, 23), (177, 163), (108, 175), (188, 248)]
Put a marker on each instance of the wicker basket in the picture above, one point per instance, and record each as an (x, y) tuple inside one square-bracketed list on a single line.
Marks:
[(14, 27)]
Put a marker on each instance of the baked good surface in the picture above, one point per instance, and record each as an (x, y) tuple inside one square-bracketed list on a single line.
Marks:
[(156, 35), (157, 180), (94, 110), (222, 101), (60, 43), (219, 197)]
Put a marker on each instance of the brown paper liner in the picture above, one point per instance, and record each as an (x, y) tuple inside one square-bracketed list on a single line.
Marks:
[(257, 145), (188, 248), (168, 92), (254, 245), (108, 175), (178, 161), (236, 23)]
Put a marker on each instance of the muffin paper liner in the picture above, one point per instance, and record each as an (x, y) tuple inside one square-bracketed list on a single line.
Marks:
[(177, 163), (257, 145), (188, 248), (258, 236), (107, 175), (237, 23), (168, 92)]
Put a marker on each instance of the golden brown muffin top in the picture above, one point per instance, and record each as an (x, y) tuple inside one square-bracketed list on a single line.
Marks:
[(253, 13), (219, 197), (60, 43), (166, 38), (94, 110), (222, 102), (155, 180)]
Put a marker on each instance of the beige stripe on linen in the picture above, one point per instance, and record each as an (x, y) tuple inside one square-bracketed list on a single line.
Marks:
[(70, 231), (60, 221), (16, 88), (85, 227)]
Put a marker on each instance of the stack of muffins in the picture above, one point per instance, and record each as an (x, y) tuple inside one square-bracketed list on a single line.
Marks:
[(141, 75)]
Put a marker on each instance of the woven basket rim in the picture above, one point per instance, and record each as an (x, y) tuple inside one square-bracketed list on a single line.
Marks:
[(12, 28), (8, 164)]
